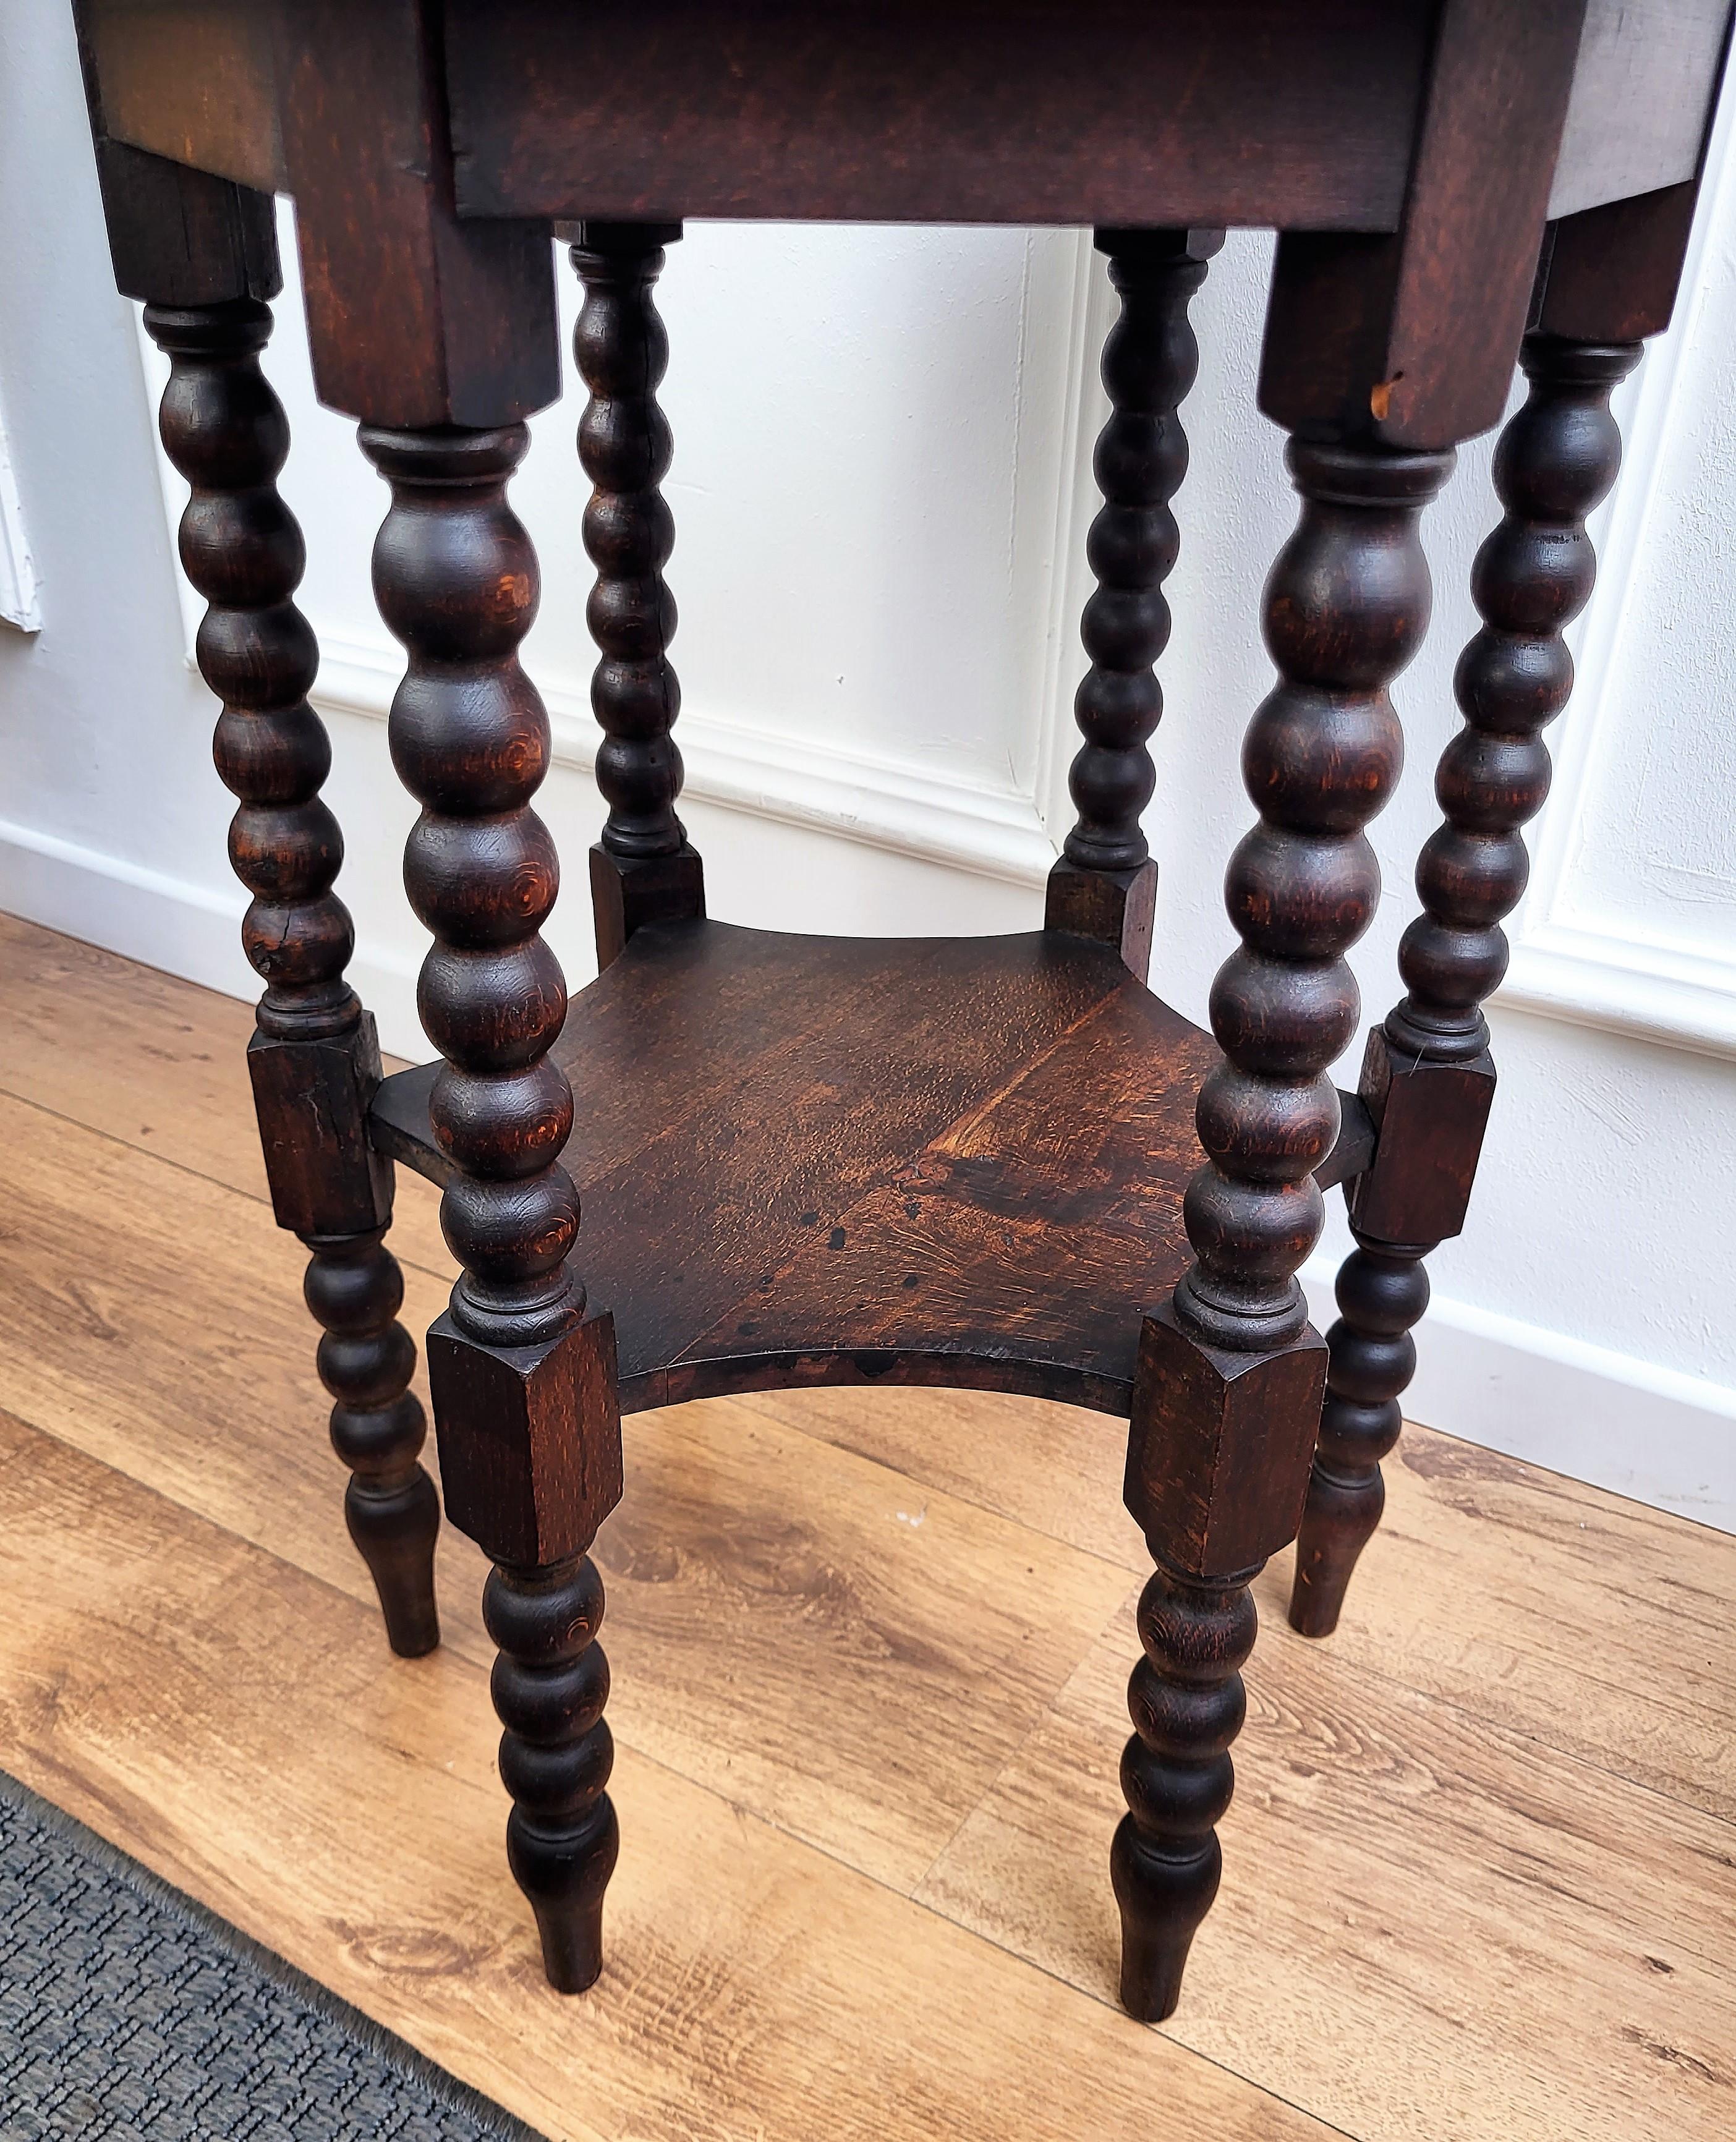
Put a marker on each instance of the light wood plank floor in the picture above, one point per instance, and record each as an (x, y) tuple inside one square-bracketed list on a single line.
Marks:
[(870, 1653)]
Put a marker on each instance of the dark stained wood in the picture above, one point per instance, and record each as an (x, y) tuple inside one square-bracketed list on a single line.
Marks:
[(314, 1058), (194, 81), (355, 1289), (531, 1451), (1611, 273), (644, 869), (1187, 1703), (1428, 1108), (176, 236), (813, 1160), (523, 1380), (1643, 87), (1355, 1145), (1411, 338), (1381, 1292), (807, 1161), (1105, 884), (1243, 112), (1429, 1079), (179, 237), (413, 318), (1346, 607), (549, 1684), (1227, 1405)]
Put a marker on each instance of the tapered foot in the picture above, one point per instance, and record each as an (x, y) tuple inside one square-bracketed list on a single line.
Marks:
[(550, 1684), (1187, 1704), (355, 1289), (1342, 1516), (1382, 1289), (394, 1530), (565, 1874), (1163, 1901)]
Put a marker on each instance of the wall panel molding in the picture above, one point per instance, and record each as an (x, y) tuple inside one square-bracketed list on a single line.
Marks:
[(1577, 961), (880, 801), (1611, 1418), (20, 596), (1007, 829)]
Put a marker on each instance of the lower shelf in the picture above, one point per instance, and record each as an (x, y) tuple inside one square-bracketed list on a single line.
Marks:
[(812, 1160)]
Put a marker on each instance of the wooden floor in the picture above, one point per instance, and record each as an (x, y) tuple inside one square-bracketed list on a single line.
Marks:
[(870, 1652)]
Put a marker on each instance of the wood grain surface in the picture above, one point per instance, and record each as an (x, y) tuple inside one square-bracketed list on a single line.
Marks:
[(858, 1160), (869, 1648)]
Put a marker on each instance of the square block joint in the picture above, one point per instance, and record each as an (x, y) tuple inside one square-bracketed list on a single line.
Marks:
[(529, 1438), (1220, 1445), (628, 896), (1430, 1121), (1116, 908), (311, 1098)]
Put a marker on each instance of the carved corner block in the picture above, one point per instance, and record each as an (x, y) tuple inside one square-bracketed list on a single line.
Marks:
[(311, 1098), (628, 894), (1116, 908), (1219, 1446), (1429, 1120), (529, 1438)]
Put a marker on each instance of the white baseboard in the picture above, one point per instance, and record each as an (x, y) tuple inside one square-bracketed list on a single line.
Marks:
[(174, 924), (1611, 1419)]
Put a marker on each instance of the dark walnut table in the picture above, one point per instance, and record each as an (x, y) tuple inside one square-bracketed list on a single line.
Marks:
[(807, 1160)]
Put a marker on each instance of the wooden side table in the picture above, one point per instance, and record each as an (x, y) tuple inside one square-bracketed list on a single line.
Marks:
[(807, 1160)]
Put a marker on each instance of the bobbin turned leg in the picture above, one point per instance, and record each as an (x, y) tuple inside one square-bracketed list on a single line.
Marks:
[(1227, 1398), (1105, 884), (524, 1379), (643, 868), (314, 1060), (1428, 1078)]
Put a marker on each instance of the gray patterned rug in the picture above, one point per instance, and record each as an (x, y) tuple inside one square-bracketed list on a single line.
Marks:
[(128, 2010)]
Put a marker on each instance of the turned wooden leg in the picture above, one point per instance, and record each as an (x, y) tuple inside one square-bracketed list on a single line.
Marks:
[(314, 1060), (1227, 1399), (366, 1358), (643, 868), (550, 1684), (1381, 1294), (1187, 1705), (1429, 1079), (1105, 884), (523, 1381)]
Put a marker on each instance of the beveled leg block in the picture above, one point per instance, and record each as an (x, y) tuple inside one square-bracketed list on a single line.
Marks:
[(1429, 1120), (1217, 1468), (529, 1438), (1429, 1079), (312, 1100), (1116, 908), (313, 1060), (1219, 1444), (626, 894)]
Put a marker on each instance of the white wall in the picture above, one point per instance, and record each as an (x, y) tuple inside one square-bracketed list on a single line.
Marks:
[(882, 486)]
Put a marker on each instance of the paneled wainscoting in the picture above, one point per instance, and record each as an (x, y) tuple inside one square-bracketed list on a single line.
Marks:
[(870, 1651)]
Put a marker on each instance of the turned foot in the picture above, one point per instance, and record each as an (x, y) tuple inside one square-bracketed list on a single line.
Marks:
[(1383, 1290), (355, 1289), (550, 1684), (1187, 1705), (1343, 1515)]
